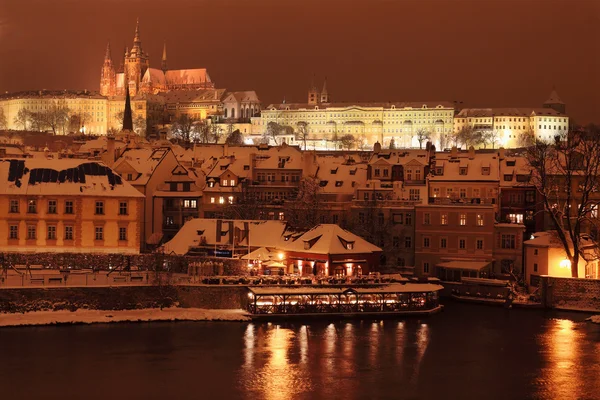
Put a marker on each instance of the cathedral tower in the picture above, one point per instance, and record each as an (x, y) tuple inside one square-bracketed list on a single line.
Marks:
[(136, 63), (108, 76)]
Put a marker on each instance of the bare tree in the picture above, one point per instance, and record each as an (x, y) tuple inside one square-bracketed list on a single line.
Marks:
[(202, 131), (183, 128), (490, 137), (3, 123), (139, 125), (216, 132), (302, 132), (304, 209), (526, 138), (347, 141), (423, 135), (23, 118), (566, 174), (273, 130), (38, 121), (56, 116)]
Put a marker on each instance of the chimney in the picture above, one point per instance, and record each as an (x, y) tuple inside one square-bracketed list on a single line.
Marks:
[(453, 152), (471, 153), (110, 149), (501, 153)]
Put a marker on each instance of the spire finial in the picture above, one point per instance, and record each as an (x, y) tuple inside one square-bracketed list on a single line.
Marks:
[(324, 86), (136, 38)]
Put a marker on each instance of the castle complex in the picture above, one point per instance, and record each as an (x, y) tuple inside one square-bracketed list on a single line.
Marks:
[(136, 73)]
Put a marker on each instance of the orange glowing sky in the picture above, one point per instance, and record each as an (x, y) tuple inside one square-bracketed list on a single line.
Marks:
[(484, 53)]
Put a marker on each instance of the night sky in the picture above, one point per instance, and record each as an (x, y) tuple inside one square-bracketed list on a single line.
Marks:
[(484, 53)]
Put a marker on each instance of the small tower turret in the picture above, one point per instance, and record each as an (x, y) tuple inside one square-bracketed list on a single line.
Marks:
[(313, 94), (324, 94), (554, 102)]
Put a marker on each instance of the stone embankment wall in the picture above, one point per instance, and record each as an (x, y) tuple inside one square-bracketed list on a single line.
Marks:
[(122, 298), (570, 293)]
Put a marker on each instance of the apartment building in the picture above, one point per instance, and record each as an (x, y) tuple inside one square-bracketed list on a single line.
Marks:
[(69, 206)]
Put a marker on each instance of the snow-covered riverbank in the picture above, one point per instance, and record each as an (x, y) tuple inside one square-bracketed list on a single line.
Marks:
[(594, 318), (99, 316)]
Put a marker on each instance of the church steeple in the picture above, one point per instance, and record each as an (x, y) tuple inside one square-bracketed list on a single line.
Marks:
[(107, 76), (127, 115), (136, 38), (324, 94), (163, 63)]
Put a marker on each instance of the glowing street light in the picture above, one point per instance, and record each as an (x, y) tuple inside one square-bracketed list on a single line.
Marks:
[(565, 264)]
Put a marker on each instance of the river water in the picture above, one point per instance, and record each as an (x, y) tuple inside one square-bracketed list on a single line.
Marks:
[(465, 352)]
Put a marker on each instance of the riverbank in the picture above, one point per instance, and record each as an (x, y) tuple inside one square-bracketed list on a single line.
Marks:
[(64, 317)]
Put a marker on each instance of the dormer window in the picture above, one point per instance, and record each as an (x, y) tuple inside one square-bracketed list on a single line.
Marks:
[(339, 183), (485, 170), (508, 178), (350, 246), (462, 171), (353, 171), (439, 171), (211, 183)]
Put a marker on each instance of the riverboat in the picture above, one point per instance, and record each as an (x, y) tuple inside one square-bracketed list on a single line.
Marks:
[(411, 299)]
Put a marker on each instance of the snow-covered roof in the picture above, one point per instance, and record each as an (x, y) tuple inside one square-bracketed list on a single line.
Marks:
[(554, 98), (399, 105), (248, 96), (154, 76), (193, 96), (40, 176), (187, 76), (476, 165), (337, 176), (142, 162), (330, 239)]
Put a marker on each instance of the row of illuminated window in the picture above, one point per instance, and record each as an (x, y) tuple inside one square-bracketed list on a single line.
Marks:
[(462, 192), (68, 232), (68, 207), (271, 177), (462, 218), (461, 243)]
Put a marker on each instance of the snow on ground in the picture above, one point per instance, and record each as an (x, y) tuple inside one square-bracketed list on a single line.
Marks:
[(100, 316), (595, 319)]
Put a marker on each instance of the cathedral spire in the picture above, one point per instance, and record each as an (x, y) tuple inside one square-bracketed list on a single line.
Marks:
[(324, 94), (127, 116), (136, 38), (163, 63), (107, 56)]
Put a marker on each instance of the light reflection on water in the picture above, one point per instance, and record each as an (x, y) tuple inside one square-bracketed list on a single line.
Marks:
[(465, 352)]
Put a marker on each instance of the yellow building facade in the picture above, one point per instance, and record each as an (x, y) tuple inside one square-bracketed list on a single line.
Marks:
[(69, 206)]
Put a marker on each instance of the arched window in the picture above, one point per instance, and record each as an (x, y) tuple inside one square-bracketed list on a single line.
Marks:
[(233, 113), (225, 113)]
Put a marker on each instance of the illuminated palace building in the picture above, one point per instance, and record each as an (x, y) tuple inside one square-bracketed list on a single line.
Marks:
[(367, 122), (157, 96), (410, 124)]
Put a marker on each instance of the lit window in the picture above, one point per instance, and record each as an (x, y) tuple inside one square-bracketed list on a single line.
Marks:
[(221, 200), (444, 219), (212, 200), (463, 219), (480, 219), (230, 199), (32, 206)]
